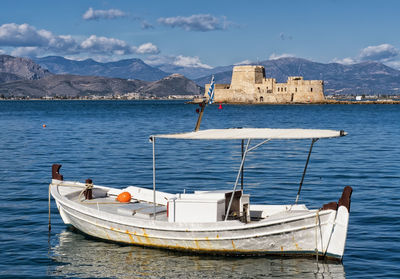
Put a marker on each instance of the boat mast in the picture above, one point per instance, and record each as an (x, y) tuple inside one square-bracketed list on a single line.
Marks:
[(204, 103)]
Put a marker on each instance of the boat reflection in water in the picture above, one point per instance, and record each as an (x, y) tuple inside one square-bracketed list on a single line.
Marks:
[(78, 256)]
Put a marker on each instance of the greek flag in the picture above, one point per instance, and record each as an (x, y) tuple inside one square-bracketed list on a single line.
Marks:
[(211, 91)]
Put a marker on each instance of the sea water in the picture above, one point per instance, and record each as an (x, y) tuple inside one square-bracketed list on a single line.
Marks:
[(108, 141)]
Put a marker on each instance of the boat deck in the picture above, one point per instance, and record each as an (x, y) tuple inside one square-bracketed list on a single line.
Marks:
[(104, 202), (138, 209)]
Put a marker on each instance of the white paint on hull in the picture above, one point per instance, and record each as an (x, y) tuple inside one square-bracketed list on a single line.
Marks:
[(303, 232)]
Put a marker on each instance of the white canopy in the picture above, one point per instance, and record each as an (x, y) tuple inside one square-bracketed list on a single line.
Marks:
[(254, 133)]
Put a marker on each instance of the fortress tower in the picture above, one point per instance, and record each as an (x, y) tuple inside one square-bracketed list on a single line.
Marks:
[(249, 85)]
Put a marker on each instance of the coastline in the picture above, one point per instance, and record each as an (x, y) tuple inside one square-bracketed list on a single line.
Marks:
[(191, 101), (326, 102)]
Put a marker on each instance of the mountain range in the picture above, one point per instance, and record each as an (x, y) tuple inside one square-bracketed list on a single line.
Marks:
[(16, 68), (362, 78), (72, 86), (21, 77), (127, 68), (133, 75)]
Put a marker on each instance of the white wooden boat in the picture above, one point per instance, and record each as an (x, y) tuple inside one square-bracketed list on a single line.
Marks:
[(215, 222)]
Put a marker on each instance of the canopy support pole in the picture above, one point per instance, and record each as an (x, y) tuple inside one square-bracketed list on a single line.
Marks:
[(242, 170), (153, 139), (305, 170), (237, 179), (247, 150)]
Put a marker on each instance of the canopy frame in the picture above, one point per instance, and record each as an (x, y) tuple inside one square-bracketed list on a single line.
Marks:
[(254, 133), (245, 151)]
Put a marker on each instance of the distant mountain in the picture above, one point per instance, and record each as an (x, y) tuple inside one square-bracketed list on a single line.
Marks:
[(74, 86), (69, 86), (128, 68), (17, 68), (174, 84), (361, 78), (193, 72), (8, 77)]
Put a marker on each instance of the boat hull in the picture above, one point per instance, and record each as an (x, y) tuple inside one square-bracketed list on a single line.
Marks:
[(308, 233)]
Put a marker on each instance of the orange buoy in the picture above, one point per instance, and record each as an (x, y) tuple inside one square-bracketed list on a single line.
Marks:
[(44, 125), (124, 197)]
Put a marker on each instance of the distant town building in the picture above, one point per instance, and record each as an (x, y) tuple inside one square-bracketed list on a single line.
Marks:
[(249, 85)]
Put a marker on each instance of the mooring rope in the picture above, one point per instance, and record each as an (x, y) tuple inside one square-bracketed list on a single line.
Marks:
[(88, 186), (80, 195), (49, 208), (317, 224)]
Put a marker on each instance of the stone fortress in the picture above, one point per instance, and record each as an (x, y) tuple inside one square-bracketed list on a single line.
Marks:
[(250, 86)]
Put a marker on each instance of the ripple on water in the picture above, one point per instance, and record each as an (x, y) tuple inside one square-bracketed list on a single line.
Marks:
[(108, 142)]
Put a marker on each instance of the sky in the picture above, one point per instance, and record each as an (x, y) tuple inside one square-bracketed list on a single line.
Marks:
[(203, 33)]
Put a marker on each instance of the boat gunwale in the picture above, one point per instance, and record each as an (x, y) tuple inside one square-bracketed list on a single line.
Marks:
[(152, 224)]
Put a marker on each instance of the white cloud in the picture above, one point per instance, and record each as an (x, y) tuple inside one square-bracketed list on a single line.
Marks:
[(26, 40), (179, 60), (344, 61), (27, 37), (381, 53), (91, 14), (394, 64), (200, 22), (147, 48), (187, 61), (244, 62), (275, 56), (12, 34), (96, 44), (26, 52), (384, 53), (146, 25)]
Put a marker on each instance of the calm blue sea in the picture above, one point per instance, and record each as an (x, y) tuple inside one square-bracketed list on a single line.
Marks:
[(108, 142)]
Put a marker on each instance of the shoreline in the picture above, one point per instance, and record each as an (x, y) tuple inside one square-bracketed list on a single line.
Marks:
[(327, 102), (191, 101)]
